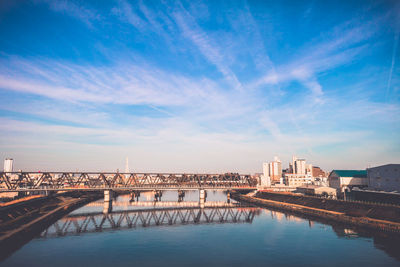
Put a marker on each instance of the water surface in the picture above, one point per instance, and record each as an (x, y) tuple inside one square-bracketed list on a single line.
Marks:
[(166, 233)]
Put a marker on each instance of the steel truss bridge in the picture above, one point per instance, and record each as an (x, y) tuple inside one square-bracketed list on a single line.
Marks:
[(63, 181), (78, 224)]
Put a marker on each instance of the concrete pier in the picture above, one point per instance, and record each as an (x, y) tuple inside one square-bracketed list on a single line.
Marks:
[(107, 195), (181, 195), (107, 201), (202, 198), (107, 207), (135, 194), (157, 195)]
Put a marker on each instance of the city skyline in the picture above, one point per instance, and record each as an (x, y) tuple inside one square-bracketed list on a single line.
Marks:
[(199, 86)]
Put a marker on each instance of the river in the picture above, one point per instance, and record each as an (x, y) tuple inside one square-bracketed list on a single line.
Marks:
[(171, 233)]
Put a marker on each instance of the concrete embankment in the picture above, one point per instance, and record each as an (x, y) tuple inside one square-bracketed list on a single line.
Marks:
[(21, 221), (379, 217)]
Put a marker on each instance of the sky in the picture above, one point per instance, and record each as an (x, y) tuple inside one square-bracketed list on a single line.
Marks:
[(199, 86)]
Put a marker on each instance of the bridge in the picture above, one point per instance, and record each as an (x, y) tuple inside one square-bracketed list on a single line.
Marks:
[(77, 224), (101, 181)]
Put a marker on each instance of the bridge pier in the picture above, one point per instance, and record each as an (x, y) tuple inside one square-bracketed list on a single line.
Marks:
[(108, 195), (181, 195), (202, 198), (107, 207), (157, 195), (228, 197), (135, 194), (107, 201)]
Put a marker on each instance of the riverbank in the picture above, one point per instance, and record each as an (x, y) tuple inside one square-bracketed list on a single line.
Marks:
[(378, 217), (21, 221)]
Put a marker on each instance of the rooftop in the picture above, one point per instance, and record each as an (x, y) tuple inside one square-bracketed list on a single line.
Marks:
[(351, 173)]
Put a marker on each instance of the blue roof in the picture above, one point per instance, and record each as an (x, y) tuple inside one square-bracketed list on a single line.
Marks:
[(351, 173)]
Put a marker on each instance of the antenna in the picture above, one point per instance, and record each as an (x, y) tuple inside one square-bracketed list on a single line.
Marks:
[(127, 165)]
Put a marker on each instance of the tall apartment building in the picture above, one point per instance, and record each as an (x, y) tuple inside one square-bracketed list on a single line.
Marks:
[(265, 179), (275, 170), (299, 173), (8, 165), (272, 172), (299, 166)]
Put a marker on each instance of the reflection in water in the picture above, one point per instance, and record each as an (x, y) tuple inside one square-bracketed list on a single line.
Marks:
[(152, 209), (385, 241), (97, 222), (382, 240)]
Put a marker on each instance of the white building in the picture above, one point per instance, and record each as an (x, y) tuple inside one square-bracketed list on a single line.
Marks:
[(300, 173), (346, 180), (384, 178), (265, 179), (8, 165), (299, 166), (272, 172)]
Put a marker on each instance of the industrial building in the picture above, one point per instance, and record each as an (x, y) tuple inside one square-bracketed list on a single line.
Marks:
[(384, 178), (346, 180)]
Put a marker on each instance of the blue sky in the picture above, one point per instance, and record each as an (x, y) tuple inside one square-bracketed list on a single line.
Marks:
[(199, 86)]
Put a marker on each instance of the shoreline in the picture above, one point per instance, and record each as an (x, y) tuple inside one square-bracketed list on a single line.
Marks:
[(341, 217), (22, 233)]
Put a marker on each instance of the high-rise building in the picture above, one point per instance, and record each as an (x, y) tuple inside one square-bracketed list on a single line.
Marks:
[(299, 166), (299, 172), (265, 179), (8, 165), (272, 172), (275, 170)]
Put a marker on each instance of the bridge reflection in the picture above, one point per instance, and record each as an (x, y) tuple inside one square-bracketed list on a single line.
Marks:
[(191, 204), (78, 224)]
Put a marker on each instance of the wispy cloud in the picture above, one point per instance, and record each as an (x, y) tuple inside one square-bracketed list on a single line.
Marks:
[(205, 44), (125, 12), (123, 83), (84, 14), (395, 45), (345, 43)]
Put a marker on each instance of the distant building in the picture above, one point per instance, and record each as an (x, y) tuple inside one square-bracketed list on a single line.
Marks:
[(265, 179), (8, 165), (272, 172), (345, 180), (298, 166), (299, 173), (275, 170), (295, 180), (318, 172), (320, 177), (384, 178), (313, 190)]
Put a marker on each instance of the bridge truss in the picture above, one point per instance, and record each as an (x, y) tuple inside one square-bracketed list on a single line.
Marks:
[(97, 222), (34, 181)]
